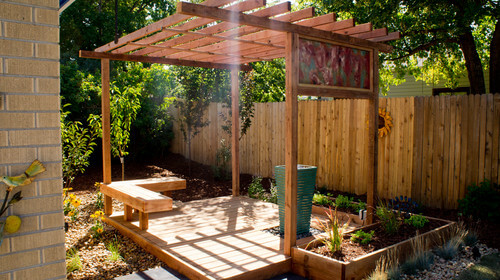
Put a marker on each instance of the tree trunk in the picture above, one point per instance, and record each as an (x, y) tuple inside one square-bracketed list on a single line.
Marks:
[(472, 62), (495, 60)]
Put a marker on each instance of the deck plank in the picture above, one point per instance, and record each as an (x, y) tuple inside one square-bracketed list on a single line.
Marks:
[(217, 238)]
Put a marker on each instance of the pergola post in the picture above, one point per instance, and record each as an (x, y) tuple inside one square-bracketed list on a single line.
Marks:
[(373, 142), (291, 140), (106, 132), (235, 130)]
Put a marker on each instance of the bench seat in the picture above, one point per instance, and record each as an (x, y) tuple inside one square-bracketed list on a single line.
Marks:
[(142, 195)]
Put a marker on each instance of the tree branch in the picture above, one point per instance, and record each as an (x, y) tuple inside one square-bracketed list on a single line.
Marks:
[(424, 47)]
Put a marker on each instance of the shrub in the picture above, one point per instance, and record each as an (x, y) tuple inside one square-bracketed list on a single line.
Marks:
[(449, 249), (362, 237), (390, 219), (321, 199), (417, 221), (274, 193), (481, 201), (420, 259), (471, 238), (387, 267), (334, 230), (71, 204), (343, 202), (255, 189)]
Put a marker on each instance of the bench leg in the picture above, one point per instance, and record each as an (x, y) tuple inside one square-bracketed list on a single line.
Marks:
[(143, 220), (108, 205), (127, 213), (167, 193)]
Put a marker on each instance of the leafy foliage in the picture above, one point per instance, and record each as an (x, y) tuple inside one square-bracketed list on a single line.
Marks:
[(481, 201), (441, 39), (255, 189), (343, 202), (362, 237), (78, 144), (222, 159), (417, 221), (358, 206), (391, 220), (321, 199)]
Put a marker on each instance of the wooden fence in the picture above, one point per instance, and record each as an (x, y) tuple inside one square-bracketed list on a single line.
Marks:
[(437, 147)]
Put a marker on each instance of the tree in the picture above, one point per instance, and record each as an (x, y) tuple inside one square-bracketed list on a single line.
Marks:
[(441, 38), (194, 92), (124, 105)]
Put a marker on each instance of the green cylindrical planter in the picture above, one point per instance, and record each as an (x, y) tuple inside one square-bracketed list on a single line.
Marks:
[(306, 180)]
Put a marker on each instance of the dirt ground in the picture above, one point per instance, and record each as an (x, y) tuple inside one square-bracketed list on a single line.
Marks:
[(201, 184)]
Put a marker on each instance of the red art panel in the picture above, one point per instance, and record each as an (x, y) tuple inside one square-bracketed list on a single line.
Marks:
[(333, 65)]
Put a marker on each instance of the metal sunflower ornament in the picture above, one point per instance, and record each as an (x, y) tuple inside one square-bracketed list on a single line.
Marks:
[(384, 122)]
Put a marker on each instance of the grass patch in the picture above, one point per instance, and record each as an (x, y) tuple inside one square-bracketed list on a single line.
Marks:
[(73, 261), (114, 248), (488, 268)]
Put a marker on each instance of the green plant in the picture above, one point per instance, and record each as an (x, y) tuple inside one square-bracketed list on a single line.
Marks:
[(387, 267), (99, 199), (78, 145), (417, 221), (471, 238), (362, 237), (97, 229), (420, 259), (71, 204), (481, 202), (255, 189), (449, 249), (321, 199), (358, 206), (114, 248), (390, 219), (222, 158), (334, 230), (274, 193), (73, 261), (343, 202)]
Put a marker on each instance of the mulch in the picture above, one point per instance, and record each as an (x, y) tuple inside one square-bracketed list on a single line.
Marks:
[(200, 184)]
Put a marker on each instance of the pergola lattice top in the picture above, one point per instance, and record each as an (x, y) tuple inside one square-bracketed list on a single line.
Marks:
[(227, 34)]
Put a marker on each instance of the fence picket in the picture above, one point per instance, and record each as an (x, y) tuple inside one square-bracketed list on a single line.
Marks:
[(437, 146)]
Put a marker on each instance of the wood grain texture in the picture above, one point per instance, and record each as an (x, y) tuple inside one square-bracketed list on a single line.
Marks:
[(331, 133), (291, 141), (230, 245)]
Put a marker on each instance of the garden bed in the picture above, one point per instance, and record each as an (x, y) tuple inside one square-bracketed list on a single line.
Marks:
[(356, 261)]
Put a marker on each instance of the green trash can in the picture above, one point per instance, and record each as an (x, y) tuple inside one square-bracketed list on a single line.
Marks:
[(306, 180)]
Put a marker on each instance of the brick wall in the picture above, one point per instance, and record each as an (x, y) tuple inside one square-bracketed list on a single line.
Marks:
[(29, 129)]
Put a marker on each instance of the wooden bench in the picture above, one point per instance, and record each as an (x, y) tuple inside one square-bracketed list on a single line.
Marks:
[(142, 195)]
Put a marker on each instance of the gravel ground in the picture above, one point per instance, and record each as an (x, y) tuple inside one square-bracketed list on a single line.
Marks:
[(93, 253), (450, 269)]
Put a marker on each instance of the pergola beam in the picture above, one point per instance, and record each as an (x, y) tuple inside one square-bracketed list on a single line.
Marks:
[(236, 17), (157, 26), (161, 60)]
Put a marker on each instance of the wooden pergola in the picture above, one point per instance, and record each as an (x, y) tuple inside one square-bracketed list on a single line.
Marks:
[(229, 34)]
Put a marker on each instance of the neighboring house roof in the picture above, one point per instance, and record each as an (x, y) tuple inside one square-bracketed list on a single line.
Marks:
[(63, 4)]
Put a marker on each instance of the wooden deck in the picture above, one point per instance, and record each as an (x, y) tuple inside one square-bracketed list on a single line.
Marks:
[(218, 238)]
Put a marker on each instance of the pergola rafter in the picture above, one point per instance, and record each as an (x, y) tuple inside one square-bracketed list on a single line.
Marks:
[(228, 34)]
